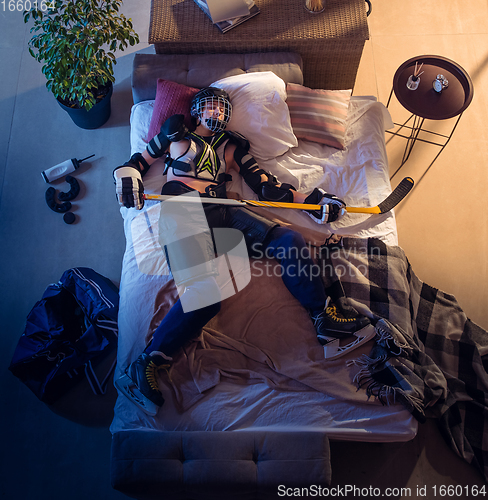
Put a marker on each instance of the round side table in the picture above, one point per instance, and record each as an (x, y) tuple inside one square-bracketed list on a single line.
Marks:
[(425, 103)]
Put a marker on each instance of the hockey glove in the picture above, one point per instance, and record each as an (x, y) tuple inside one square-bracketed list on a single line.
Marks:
[(333, 208), (129, 187), (172, 130)]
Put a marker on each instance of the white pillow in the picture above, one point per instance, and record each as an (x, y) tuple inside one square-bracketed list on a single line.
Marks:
[(260, 113)]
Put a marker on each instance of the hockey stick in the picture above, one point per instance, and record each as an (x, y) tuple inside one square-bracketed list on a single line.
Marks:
[(391, 201), (386, 205)]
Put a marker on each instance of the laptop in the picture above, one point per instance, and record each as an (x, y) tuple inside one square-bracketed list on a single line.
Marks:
[(222, 10)]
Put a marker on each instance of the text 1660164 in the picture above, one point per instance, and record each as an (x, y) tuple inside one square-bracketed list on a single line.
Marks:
[(24, 5)]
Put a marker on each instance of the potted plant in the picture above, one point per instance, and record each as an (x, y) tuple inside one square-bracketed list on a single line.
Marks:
[(75, 41)]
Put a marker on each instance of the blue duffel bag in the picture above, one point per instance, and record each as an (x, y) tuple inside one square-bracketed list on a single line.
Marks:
[(67, 334)]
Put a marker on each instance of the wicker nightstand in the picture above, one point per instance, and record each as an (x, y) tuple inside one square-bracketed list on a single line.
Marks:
[(330, 43)]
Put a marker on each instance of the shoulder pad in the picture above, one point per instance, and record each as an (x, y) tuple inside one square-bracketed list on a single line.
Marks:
[(238, 140)]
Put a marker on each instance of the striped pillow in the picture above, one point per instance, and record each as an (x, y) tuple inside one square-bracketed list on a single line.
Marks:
[(318, 115)]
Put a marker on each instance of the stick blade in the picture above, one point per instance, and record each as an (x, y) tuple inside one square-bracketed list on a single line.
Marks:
[(397, 195)]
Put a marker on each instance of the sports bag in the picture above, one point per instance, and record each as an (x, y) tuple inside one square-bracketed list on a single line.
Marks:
[(67, 333)]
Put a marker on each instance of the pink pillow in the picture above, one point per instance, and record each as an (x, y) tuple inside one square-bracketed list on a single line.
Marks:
[(318, 115), (171, 99)]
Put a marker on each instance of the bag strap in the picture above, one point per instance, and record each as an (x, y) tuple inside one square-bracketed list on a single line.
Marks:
[(108, 325)]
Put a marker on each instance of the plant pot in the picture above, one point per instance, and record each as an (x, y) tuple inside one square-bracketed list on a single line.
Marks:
[(96, 117)]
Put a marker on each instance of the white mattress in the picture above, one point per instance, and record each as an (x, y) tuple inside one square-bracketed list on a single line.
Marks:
[(359, 175)]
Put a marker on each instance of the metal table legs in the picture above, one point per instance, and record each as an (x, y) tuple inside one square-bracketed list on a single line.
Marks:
[(415, 129)]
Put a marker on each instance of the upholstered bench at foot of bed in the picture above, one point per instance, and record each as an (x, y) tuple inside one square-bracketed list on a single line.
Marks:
[(217, 465)]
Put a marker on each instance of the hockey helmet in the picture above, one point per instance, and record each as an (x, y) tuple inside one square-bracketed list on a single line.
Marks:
[(212, 98)]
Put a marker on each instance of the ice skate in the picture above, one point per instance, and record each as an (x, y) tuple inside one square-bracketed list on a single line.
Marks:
[(140, 383), (333, 327)]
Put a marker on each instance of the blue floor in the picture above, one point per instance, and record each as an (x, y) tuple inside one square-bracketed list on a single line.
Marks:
[(61, 453)]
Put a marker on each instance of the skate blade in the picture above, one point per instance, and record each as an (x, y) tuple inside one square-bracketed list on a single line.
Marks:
[(127, 387), (333, 349)]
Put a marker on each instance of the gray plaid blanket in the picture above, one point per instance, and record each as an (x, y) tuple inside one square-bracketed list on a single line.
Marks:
[(427, 353)]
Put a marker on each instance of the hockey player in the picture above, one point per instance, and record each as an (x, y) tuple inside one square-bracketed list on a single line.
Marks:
[(203, 161)]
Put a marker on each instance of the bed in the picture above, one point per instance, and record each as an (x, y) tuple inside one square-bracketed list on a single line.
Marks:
[(251, 403)]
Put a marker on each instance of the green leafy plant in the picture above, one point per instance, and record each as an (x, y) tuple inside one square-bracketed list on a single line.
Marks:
[(75, 41)]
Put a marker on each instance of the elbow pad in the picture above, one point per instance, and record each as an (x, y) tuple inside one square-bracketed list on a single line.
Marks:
[(158, 146), (172, 130), (267, 190)]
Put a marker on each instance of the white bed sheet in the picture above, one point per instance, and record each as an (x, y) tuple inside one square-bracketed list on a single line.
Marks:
[(359, 175), (257, 407)]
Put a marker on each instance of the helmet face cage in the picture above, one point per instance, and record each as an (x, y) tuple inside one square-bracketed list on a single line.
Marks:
[(216, 101)]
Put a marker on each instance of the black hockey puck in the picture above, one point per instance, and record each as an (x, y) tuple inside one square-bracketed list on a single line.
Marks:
[(69, 217)]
